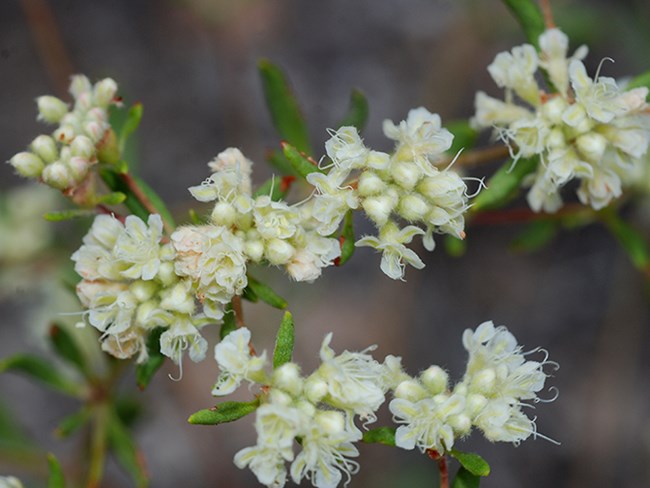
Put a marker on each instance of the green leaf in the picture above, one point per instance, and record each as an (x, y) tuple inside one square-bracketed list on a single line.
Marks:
[(155, 200), (283, 106), (530, 17), (472, 462), (74, 213), (284, 342), (55, 479), (72, 423), (639, 81), (630, 239), (282, 164), (347, 239), (145, 372), (503, 185), (113, 198), (126, 452), (131, 124), (41, 370), (229, 322), (12, 436), (380, 435), (454, 246), (250, 295), (129, 409), (276, 187), (465, 479), (357, 114), (224, 412), (535, 236), (195, 219), (115, 182), (300, 163), (464, 136), (67, 348), (266, 294)]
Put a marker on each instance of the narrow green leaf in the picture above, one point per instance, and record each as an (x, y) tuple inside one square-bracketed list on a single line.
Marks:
[(224, 412), (284, 341), (283, 106), (266, 294), (250, 295), (12, 435), (530, 17), (639, 81), (634, 244), (67, 348), (535, 236), (282, 164), (347, 239), (276, 187), (465, 479), (41, 370), (56, 478), (155, 200), (131, 124), (503, 185), (126, 451), (357, 114), (472, 462), (454, 246), (464, 136), (61, 215), (300, 163), (72, 423), (113, 198), (380, 435), (229, 322), (129, 409), (115, 182), (195, 219), (145, 372)]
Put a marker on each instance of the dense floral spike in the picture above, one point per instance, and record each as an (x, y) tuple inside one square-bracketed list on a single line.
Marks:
[(582, 128)]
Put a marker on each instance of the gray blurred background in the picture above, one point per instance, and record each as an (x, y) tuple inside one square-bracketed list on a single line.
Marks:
[(192, 63)]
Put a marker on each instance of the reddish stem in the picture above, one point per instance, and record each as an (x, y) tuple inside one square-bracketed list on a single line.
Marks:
[(239, 319), (520, 215), (548, 14), (442, 466), (144, 200)]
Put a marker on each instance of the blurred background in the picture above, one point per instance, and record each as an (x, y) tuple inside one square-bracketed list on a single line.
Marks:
[(192, 63)]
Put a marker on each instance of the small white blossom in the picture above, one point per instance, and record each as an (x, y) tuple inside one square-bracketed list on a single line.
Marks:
[(236, 362), (180, 336)]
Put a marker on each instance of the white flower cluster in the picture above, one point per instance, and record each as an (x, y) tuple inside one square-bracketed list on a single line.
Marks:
[(129, 287), (490, 397), (405, 185), (62, 160), (318, 410), (583, 128), (244, 229), (10, 482)]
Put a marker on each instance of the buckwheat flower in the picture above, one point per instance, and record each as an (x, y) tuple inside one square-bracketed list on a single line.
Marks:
[(126, 344), (501, 422), (93, 260), (395, 254), (346, 149), (274, 219), (427, 423), (10, 482), (236, 362), (393, 373), (492, 111), (267, 462), (138, 247), (332, 200), (554, 45), (183, 335), (515, 70), (225, 184)]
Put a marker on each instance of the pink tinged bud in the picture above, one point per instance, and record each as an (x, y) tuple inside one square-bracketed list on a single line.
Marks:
[(104, 92), (96, 114), (27, 164), (51, 109), (78, 168), (64, 134), (83, 147), (94, 130), (45, 148), (58, 175), (79, 84)]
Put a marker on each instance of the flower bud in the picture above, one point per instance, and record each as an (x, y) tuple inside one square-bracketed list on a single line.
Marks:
[(278, 397), (412, 207), (406, 174), (79, 84), (45, 148), (64, 134), (435, 379), (178, 299), (378, 160), (287, 378), (555, 138), (166, 273), (592, 146), (143, 290), (104, 92), (370, 184), (224, 214), (553, 109), (475, 403), (484, 381), (57, 175), (51, 109), (145, 313), (96, 114), (83, 147), (254, 249), (315, 389), (278, 251), (461, 423), (331, 421), (78, 168), (379, 208), (410, 390), (27, 164), (306, 407), (94, 130), (84, 102)]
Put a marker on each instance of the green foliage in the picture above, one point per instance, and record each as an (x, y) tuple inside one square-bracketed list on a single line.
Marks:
[(72, 423), (380, 435), (454, 246), (55, 479), (504, 185), (224, 412), (283, 106), (126, 451), (41, 370), (347, 239), (61, 215), (629, 238), (357, 114), (276, 187), (300, 163), (284, 341), (465, 479), (266, 294), (473, 463), (641, 80), (145, 372), (229, 322), (535, 236), (464, 136), (131, 124), (530, 17), (113, 198), (67, 348)]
